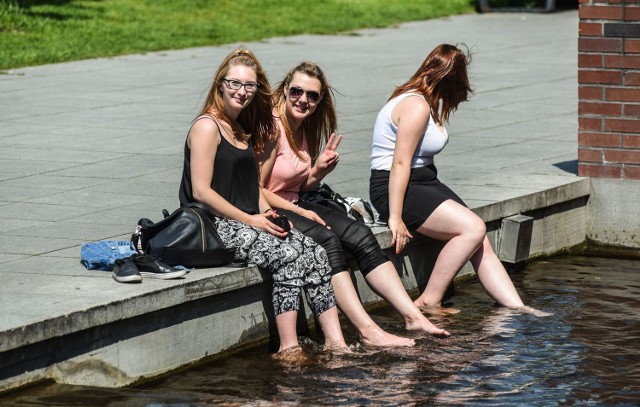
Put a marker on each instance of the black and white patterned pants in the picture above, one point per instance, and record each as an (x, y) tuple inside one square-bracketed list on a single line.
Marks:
[(296, 262)]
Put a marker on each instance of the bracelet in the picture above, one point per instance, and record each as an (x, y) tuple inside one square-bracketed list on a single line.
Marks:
[(268, 210), (297, 209)]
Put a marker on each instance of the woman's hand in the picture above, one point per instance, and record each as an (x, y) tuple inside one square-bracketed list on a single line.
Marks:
[(261, 221), (400, 234), (328, 159), (311, 215)]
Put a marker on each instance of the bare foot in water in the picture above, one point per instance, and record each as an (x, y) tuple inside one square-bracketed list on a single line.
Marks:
[(423, 324), (436, 309), (336, 348), (375, 336), (294, 356), (534, 311)]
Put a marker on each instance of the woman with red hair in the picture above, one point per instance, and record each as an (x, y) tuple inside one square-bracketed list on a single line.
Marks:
[(404, 186)]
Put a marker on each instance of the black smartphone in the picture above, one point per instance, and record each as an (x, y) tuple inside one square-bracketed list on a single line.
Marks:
[(281, 221)]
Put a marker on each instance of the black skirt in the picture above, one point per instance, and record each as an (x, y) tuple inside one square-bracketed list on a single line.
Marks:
[(424, 194)]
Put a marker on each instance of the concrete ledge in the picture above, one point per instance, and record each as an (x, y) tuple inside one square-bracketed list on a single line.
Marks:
[(199, 284), (165, 326), (527, 203), (614, 213)]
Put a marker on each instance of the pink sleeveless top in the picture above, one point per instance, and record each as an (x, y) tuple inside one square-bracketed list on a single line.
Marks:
[(289, 172)]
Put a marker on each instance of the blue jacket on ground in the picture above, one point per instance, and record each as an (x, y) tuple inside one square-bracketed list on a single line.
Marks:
[(102, 255)]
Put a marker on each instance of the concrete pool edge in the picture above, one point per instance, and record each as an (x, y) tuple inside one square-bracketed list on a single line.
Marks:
[(211, 311)]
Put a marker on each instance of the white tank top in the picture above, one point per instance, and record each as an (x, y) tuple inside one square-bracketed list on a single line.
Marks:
[(385, 133)]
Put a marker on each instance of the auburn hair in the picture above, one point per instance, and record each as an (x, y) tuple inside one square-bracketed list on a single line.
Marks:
[(441, 77), (254, 120)]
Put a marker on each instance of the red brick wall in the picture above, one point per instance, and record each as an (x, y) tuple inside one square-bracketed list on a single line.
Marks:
[(609, 89)]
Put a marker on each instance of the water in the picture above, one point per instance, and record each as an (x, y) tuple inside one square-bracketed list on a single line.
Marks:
[(585, 354)]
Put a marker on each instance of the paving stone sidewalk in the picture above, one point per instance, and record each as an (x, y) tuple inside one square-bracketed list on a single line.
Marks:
[(87, 148)]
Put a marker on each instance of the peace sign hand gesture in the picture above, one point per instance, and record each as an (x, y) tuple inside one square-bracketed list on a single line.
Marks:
[(329, 157)]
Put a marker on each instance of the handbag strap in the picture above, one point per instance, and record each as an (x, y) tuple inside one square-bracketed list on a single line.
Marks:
[(198, 205)]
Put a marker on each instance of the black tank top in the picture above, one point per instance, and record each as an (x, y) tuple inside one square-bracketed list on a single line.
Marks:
[(235, 175)]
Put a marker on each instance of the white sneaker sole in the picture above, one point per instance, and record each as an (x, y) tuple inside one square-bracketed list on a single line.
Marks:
[(127, 279), (164, 276)]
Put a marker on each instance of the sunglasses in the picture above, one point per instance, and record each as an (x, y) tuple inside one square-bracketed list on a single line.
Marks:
[(296, 92)]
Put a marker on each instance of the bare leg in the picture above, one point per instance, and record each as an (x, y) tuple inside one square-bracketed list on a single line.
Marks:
[(330, 325), (350, 305), (493, 276), (465, 234), (290, 353), (385, 281), (286, 324), (463, 231)]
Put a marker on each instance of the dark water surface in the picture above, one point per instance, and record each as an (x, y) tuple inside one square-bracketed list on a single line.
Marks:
[(586, 354)]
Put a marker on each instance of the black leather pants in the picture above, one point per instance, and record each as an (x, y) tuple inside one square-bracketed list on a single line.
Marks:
[(345, 235)]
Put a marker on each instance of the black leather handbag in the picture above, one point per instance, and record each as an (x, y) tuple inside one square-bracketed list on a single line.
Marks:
[(187, 237), (322, 194)]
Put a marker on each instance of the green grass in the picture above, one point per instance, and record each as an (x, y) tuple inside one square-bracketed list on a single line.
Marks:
[(34, 32)]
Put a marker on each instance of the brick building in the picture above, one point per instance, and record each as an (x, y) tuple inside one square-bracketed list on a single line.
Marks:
[(609, 89)]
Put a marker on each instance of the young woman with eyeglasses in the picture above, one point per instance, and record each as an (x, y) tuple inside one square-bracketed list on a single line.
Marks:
[(301, 154), (404, 187), (220, 171)]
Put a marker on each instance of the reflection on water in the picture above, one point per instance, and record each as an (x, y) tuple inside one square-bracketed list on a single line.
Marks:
[(584, 354)]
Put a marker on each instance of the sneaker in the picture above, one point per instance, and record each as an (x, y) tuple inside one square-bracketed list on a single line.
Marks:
[(152, 267), (125, 271)]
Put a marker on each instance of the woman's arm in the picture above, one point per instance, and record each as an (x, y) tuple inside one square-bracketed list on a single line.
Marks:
[(325, 163), (411, 116), (266, 161), (204, 138)]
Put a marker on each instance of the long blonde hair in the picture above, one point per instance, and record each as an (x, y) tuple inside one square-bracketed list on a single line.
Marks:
[(256, 118), (317, 127), (441, 77)]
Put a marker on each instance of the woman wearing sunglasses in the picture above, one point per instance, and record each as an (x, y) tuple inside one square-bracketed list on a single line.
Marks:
[(404, 187), (302, 153), (220, 171)]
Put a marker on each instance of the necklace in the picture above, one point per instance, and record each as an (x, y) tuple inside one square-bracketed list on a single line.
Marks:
[(232, 134), (229, 132)]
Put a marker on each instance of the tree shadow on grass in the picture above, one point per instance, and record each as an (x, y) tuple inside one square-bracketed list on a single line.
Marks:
[(27, 4), (27, 8)]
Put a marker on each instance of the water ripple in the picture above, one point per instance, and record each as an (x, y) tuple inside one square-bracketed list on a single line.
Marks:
[(584, 354)]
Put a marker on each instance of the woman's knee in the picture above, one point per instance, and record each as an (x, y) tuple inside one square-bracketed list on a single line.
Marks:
[(452, 220), (362, 244), (476, 229), (331, 245)]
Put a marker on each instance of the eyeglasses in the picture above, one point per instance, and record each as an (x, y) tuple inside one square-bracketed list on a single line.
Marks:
[(296, 92), (236, 85)]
